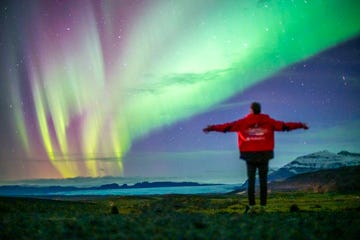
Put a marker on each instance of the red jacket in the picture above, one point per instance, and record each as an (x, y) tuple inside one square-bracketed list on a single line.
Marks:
[(256, 131)]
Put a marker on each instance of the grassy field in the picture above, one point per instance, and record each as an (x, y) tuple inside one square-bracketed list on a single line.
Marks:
[(313, 216)]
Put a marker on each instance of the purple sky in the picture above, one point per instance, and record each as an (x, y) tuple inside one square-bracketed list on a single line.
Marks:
[(124, 88)]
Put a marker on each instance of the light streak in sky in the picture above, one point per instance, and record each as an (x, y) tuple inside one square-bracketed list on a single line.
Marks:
[(100, 74)]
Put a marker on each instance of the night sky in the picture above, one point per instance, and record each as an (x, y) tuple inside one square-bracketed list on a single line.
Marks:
[(124, 88)]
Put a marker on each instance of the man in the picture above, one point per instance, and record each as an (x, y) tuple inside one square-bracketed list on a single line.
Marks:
[(256, 144)]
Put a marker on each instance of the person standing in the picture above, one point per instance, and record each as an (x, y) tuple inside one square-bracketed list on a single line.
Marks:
[(256, 144)]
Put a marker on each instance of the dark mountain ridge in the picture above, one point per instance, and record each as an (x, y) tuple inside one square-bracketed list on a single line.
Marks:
[(344, 179)]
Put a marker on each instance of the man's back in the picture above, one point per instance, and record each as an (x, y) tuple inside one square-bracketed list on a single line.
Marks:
[(256, 133)]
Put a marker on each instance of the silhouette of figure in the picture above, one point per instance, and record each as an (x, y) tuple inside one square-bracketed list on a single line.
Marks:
[(256, 144)]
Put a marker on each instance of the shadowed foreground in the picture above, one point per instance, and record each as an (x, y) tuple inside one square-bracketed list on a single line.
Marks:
[(289, 216)]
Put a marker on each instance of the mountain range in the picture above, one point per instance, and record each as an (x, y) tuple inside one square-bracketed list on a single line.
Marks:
[(319, 172), (313, 162), (46, 190)]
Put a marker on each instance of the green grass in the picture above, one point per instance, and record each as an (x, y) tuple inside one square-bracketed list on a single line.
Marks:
[(320, 216)]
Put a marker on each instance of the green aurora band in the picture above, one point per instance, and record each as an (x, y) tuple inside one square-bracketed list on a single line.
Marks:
[(102, 74)]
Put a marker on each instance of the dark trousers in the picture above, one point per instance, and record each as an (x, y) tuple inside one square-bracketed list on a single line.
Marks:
[(263, 167)]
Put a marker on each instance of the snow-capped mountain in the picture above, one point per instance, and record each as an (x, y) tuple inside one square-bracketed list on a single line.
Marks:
[(314, 162)]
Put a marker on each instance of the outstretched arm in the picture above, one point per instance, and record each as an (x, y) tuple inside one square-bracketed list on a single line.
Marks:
[(226, 127), (288, 126)]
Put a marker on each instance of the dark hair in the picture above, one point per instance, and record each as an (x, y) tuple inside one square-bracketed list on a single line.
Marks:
[(256, 107)]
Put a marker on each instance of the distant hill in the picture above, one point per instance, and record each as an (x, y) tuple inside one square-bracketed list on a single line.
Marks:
[(315, 162), (344, 179), (19, 190)]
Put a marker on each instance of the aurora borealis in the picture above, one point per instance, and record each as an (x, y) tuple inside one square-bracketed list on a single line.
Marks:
[(81, 81)]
